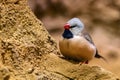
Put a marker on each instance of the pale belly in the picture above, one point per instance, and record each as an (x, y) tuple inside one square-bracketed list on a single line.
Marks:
[(77, 48)]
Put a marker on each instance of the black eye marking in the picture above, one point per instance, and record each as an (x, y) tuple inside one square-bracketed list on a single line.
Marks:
[(72, 26)]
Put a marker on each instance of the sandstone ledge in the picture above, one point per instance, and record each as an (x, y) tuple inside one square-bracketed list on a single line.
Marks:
[(55, 68)]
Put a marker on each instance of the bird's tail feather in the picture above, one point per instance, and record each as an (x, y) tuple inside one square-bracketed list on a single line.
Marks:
[(99, 56)]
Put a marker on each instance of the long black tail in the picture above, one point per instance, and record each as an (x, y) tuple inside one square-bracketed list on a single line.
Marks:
[(99, 56)]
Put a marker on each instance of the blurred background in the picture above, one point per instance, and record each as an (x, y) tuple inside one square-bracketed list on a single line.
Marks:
[(100, 17)]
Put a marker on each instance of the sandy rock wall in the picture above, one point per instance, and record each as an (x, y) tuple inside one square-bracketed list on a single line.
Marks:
[(23, 38)]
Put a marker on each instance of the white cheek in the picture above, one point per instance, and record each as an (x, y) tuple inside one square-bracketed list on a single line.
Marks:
[(76, 30)]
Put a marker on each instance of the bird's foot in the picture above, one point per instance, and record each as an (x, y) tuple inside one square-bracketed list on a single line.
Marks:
[(84, 62)]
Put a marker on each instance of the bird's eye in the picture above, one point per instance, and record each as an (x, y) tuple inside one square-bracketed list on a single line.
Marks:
[(72, 26)]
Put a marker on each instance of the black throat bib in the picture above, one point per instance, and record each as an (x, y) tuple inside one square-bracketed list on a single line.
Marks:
[(67, 34)]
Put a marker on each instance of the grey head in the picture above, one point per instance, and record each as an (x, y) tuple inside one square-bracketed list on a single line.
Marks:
[(76, 26)]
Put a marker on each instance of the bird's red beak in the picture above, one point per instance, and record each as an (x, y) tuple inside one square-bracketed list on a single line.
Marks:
[(67, 26)]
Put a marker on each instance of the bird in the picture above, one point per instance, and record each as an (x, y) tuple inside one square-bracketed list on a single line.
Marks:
[(76, 44)]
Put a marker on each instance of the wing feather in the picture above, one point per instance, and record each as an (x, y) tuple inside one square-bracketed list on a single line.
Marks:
[(89, 39)]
